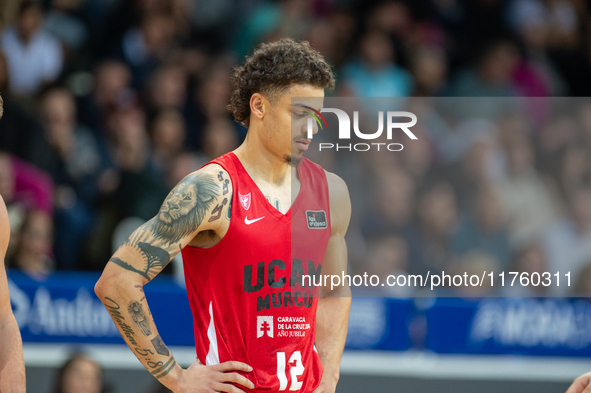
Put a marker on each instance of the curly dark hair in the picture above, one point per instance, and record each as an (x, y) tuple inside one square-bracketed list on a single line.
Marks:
[(271, 70)]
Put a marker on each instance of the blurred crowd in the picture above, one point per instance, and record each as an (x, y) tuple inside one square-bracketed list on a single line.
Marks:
[(109, 103), (489, 185)]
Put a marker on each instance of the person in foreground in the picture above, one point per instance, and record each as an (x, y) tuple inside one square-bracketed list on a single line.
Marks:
[(251, 225), (581, 385), (12, 364)]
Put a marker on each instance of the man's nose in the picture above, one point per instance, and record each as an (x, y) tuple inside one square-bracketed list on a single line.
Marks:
[(311, 124)]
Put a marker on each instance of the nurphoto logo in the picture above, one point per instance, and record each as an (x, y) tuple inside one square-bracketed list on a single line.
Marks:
[(392, 123)]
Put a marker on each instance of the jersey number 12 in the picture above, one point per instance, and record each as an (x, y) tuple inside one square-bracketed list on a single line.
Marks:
[(294, 370)]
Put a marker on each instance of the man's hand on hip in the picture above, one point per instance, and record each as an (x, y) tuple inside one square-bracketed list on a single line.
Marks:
[(199, 378), (325, 387)]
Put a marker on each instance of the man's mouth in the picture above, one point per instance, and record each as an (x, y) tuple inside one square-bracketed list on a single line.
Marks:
[(303, 143)]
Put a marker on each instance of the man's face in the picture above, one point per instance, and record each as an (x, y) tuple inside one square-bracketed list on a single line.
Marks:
[(287, 123)]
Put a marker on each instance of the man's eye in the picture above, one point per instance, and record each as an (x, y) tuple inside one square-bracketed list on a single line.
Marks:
[(299, 114)]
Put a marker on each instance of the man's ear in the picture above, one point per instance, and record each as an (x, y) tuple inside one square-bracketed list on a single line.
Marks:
[(257, 105)]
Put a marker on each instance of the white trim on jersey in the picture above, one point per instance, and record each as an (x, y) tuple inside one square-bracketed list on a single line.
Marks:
[(213, 356)]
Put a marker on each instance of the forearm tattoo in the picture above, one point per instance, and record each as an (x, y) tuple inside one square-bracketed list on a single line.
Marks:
[(136, 311)]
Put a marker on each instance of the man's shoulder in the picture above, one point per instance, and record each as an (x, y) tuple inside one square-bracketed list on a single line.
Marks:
[(340, 202), (216, 171), (212, 168), (224, 163), (336, 185), (215, 168)]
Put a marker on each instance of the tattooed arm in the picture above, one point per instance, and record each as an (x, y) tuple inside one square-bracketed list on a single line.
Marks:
[(193, 208)]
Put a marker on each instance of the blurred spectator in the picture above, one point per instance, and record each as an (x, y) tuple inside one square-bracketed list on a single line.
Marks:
[(525, 195), (212, 95), (417, 157), (134, 187), (392, 17), (140, 188), (475, 263), (24, 184), (146, 46), (271, 21), (16, 211), (72, 153), (430, 240), (19, 130), (34, 57), (214, 92), (343, 24), (453, 145), (219, 138), (322, 37), (168, 88), (112, 81), (531, 20), (33, 251), (573, 169), (492, 75), (374, 73), (558, 133), (80, 374), (481, 163), (391, 207), (568, 241), (23, 188), (429, 70), (555, 21), (168, 137), (386, 256), (530, 259), (62, 23), (485, 229), (74, 159), (181, 165)]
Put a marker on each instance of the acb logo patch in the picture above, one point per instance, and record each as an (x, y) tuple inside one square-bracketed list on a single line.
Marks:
[(316, 219)]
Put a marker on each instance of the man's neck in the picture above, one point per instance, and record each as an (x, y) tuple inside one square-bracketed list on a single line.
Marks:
[(263, 165)]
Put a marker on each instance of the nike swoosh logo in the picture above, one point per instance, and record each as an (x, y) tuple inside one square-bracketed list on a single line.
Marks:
[(248, 222)]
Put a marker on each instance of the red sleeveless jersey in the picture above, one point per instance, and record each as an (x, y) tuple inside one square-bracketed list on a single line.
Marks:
[(246, 292)]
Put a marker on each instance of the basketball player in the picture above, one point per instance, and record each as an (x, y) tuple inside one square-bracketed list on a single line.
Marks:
[(12, 365), (581, 385), (250, 224)]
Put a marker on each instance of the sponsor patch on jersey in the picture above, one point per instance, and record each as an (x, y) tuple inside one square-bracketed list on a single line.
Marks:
[(316, 219), (244, 200), (264, 326)]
